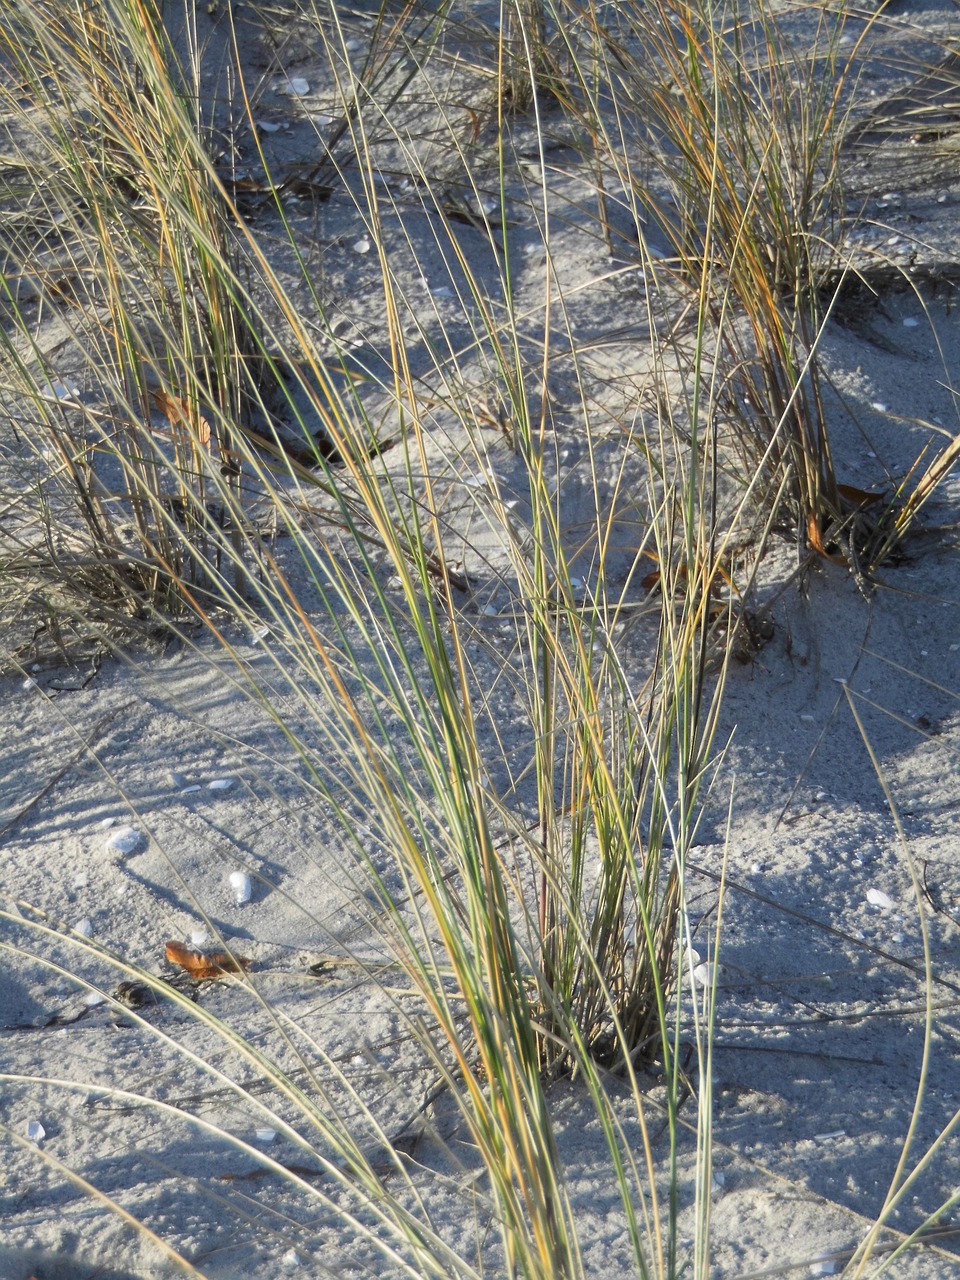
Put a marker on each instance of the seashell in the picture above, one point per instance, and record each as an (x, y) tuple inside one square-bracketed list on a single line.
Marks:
[(704, 974), (877, 898), (64, 390), (267, 126), (35, 1131), (188, 791), (94, 998), (265, 1135), (297, 87), (290, 1260), (242, 887), (221, 784), (362, 245), (123, 840), (83, 927), (107, 822), (199, 938)]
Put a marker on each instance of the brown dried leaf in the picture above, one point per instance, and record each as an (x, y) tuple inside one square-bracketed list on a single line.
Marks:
[(204, 964), (859, 497)]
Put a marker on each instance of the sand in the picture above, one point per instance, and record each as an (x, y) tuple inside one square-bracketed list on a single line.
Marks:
[(840, 736)]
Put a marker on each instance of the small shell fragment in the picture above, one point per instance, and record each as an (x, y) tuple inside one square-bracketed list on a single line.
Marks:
[(35, 1131), (93, 999), (123, 840), (877, 898), (704, 974), (265, 1135), (242, 887), (83, 927), (221, 784), (297, 87)]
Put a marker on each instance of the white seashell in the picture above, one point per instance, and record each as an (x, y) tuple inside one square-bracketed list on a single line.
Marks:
[(877, 898), (107, 822), (64, 390), (267, 126), (242, 887), (490, 611), (83, 927), (297, 87), (199, 938), (221, 784), (879, 406), (188, 791), (35, 1131), (260, 635), (265, 1135), (704, 974), (123, 840), (362, 245), (94, 998), (826, 1267), (290, 1260)]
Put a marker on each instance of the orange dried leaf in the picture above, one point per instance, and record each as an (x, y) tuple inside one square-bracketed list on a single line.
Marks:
[(178, 414), (815, 538), (204, 964)]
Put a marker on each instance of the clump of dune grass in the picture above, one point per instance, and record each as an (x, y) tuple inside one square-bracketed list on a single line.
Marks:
[(541, 875)]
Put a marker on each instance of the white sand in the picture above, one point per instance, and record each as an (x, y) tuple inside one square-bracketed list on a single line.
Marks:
[(819, 1037)]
